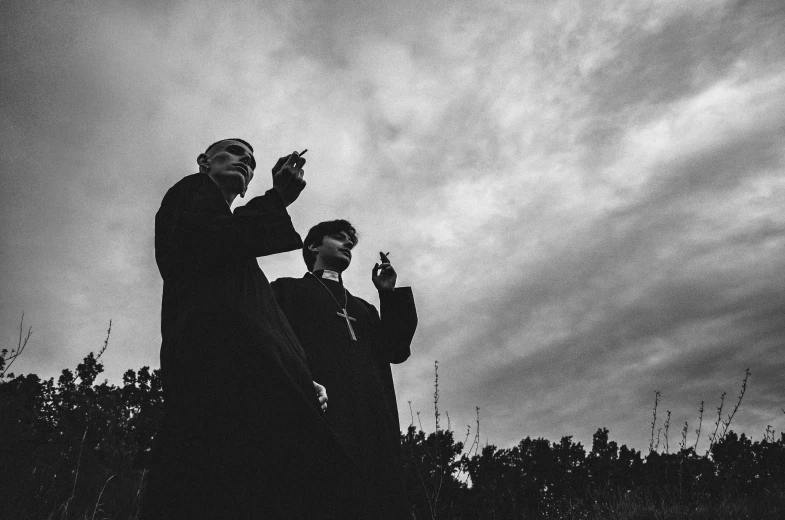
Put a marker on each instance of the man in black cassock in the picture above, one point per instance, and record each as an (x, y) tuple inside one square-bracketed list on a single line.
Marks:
[(349, 349), (243, 434)]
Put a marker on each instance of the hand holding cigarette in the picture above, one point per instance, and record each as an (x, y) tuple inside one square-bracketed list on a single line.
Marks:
[(288, 176)]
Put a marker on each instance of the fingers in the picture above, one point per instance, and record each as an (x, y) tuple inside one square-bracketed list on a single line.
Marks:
[(321, 392), (379, 269), (294, 163), (385, 265), (291, 160), (280, 163)]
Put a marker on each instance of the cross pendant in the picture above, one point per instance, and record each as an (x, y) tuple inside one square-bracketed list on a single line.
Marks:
[(346, 316)]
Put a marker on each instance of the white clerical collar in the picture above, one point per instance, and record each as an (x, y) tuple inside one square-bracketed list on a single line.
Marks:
[(331, 275)]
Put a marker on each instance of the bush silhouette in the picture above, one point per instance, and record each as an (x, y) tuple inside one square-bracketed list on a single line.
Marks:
[(77, 448)]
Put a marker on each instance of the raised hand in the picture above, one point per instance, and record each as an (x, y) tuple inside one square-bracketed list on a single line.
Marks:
[(288, 177), (383, 275)]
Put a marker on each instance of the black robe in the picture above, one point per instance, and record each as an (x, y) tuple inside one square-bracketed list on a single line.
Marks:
[(243, 436), (361, 405)]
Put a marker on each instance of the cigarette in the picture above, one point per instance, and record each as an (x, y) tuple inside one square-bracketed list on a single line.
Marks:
[(303, 152)]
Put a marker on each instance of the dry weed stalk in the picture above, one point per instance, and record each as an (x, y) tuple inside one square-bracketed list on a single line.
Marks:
[(738, 403), (106, 343), (713, 438), (76, 477), (439, 470), (683, 442), (476, 441), (15, 353), (436, 394), (654, 421), (432, 496), (138, 497), (667, 426), (98, 502), (698, 431), (468, 432)]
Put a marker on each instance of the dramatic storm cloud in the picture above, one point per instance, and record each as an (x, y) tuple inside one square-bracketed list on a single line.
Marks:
[(588, 198)]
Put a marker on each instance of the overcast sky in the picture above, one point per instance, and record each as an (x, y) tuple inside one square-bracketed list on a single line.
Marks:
[(588, 198)]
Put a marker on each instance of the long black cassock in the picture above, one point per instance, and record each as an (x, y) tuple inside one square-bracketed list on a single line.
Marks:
[(361, 405), (243, 436)]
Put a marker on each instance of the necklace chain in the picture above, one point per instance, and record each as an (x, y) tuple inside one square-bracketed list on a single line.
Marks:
[(345, 313), (345, 295)]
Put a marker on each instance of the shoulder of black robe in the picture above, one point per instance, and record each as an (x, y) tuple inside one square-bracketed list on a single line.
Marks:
[(398, 317), (195, 226), (207, 258), (207, 255)]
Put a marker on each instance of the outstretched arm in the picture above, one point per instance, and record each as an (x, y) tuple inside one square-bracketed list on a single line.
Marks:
[(195, 227), (398, 313)]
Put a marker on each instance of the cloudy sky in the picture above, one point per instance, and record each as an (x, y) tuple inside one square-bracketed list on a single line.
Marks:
[(588, 198)]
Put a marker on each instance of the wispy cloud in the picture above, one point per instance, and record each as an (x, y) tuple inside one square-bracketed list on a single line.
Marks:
[(587, 200)]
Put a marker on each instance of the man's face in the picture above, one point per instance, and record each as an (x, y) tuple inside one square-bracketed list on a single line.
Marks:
[(231, 165), (335, 253)]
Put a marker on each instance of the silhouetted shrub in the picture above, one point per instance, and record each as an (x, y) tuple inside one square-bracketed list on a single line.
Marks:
[(76, 448)]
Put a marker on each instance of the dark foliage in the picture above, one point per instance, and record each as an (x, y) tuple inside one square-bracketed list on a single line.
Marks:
[(538, 479), (74, 448)]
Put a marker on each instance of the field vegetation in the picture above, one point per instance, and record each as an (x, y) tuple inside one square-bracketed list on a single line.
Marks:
[(77, 448)]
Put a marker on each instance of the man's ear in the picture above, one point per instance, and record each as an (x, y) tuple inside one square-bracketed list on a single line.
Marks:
[(314, 248), (203, 161)]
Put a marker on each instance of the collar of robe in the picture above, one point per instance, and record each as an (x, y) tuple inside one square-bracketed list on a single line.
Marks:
[(326, 274), (213, 187)]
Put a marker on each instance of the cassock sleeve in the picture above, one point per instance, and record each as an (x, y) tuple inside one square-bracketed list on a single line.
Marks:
[(199, 230), (399, 321)]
